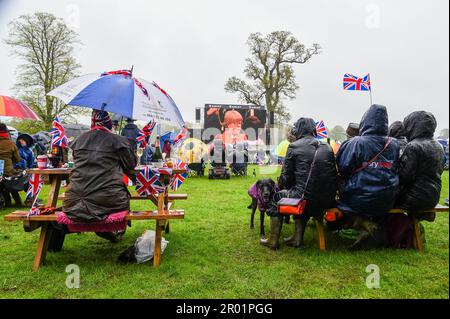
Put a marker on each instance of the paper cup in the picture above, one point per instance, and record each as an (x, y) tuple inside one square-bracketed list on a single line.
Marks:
[(42, 161)]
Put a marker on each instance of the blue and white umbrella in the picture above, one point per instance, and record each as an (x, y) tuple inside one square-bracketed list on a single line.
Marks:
[(121, 93)]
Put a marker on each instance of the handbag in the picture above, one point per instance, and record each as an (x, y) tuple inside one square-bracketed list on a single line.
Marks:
[(15, 183), (296, 206)]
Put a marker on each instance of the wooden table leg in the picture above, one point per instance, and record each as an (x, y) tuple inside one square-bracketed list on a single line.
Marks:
[(160, 224), (418, 243), (320, 233), (41, 251), (54, 191)]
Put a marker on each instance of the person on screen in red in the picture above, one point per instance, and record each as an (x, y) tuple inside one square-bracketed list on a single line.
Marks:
[(232, 128)]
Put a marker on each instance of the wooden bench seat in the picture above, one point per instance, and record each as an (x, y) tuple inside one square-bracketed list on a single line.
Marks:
[(171, 197), (42, 221), (418, 242)]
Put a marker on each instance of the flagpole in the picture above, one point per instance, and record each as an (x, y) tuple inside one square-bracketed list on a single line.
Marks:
[(370, 90)]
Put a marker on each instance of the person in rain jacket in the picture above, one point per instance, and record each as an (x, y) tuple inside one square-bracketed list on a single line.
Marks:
[(320, 191), (421, 164), (131, 132), (397, 131), (371, 190), (24, 144)]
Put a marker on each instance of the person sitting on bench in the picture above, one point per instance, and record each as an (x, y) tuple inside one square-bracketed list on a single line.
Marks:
[(367, 165), (320, 192), (96, 187), (421, 165)]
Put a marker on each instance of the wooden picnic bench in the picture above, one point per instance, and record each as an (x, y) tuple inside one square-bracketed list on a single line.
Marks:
[(162, 215), (418, 242)]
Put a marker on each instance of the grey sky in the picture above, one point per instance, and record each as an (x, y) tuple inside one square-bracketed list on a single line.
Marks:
[(191, 47)]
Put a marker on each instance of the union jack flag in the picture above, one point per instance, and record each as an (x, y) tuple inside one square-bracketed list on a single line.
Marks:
[(178, 179), (58, 133), (35, 183), (321, 130), (182, 135), (144, 134), (147, 182), (34, 211), (353, 83)]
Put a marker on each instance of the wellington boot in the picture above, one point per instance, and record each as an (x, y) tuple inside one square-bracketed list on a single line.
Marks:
[(275, 230), (296, 240)]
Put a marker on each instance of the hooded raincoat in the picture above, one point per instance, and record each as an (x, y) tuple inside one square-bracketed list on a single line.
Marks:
[(321, 189), (373, 190), (421, 164)]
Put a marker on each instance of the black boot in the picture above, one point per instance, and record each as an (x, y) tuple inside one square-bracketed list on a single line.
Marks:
[(276, 223), (296, 240)]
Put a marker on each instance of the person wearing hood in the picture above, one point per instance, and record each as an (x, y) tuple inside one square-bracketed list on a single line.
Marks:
[(367, 166), (320, 191), (24, 144), (396, 130), (421, 165), (131, 132)]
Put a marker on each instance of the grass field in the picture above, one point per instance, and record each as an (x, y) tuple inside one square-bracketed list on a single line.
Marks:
[(213, 254)]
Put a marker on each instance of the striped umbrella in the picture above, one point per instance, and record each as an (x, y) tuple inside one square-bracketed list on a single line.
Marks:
[(10, 107)]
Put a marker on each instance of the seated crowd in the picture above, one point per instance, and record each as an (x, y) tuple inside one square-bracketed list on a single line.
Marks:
[(376, 169)]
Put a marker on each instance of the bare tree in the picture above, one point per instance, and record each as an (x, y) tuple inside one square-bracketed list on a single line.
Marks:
[(270, 70), (46, 45)]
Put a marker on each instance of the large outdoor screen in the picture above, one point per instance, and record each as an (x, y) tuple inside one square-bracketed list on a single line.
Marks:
[(234, 123)]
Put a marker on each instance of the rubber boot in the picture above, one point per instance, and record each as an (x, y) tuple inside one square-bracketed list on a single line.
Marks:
[(296, 240), (275, 230)]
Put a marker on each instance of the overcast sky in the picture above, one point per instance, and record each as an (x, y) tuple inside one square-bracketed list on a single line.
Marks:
[(191, 47)]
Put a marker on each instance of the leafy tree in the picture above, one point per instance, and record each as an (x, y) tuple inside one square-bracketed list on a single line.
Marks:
[(28, 126), (46, 46), (270, 71)]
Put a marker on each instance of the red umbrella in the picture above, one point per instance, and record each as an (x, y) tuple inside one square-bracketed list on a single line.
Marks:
[(14, 108)]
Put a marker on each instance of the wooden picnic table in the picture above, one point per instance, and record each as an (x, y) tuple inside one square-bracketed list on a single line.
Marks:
[(161, 215)]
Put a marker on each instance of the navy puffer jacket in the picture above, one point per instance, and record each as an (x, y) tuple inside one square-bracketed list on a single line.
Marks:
[(373, 190), (421, 164)]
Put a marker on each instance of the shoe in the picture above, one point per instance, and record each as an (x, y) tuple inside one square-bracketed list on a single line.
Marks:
[(274, 236)]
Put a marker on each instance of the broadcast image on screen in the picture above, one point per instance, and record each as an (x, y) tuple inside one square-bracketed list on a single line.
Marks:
[(234, 123)]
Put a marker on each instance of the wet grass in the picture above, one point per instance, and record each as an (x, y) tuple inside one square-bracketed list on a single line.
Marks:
[(212, 253)]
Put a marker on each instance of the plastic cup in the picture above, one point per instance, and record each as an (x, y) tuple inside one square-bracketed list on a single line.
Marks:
[(42, 161)]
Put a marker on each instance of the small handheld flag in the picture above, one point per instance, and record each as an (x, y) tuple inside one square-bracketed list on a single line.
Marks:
[(58, 133), (144, 134), (35, 185), (178, 179), (147, 182), (321, 130)]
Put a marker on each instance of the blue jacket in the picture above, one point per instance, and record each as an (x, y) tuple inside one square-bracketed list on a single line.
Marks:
[(27, 158), (373, 190)]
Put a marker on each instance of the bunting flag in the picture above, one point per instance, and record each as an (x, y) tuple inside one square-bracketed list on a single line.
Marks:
[(58, 133), (144, 134), (147, 182), (178, 179), (35, 184), (321, 130), (127, 180)]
